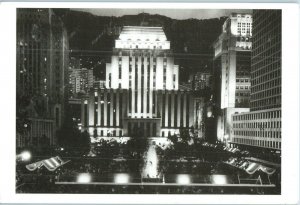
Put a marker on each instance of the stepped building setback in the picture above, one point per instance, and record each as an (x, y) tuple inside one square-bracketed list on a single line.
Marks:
[(142, 90)]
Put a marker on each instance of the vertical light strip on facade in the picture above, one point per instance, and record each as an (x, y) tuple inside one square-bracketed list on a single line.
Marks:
[(166, 96)]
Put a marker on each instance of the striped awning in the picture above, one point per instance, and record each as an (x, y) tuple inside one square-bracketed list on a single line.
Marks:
[(51, 164)]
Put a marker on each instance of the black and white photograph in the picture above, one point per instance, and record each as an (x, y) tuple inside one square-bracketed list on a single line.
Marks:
[(148, 101)]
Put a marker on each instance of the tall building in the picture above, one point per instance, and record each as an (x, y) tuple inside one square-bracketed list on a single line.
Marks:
[(80, 81), (200, 80), (42, 60), (231, 71), (141, 90), (261, 127), (99, 84)]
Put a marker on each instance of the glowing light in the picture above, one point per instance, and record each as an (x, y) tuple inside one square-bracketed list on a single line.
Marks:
[(84, 178), (219, 179), (209, 114), (25, 155), (150, 169), (183, 179), (121, 178)]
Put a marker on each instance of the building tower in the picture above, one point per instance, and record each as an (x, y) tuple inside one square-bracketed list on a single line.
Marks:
[(42, 59), (261, 127), (141, 89), (231, 70)]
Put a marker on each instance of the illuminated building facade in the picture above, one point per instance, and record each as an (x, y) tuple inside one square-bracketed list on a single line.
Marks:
[(200, 80), (42, 60), (231, 70), (261, 127), (141, 90), (80, 81)]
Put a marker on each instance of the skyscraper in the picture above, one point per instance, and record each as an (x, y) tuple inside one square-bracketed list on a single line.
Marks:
[(142, 90), (42, 59), (231, 71), (262, 126), (80, 81)]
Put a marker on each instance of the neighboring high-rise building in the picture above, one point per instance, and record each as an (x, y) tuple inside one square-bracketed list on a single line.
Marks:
[(99, 84), (231, 71), (261, 127), (80, 81), (42, 60), (141, 90), (200, 80)]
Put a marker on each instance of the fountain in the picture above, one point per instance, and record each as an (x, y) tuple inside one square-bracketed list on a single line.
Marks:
[(150, 169)]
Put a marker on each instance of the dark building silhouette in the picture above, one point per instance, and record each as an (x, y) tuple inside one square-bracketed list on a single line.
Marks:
[(261, 127), (42, 60)]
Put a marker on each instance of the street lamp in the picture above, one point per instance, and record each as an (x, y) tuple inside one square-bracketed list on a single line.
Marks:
[(24, 156), (84, 178), (219, 179), (183, 179)]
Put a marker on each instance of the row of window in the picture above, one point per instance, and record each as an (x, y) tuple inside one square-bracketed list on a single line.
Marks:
[(260, 125), (108, 110), (149, 128), (259, 143), (139, 46), (242, 87), (244, 94), (267, 103), (262, 76), (180, 110), (256, 116), (109, 133), (242, 80), (135, 101), (263, 134), (266, 94)]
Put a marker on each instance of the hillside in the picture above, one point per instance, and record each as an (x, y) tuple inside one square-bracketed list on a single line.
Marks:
[(92, 37)]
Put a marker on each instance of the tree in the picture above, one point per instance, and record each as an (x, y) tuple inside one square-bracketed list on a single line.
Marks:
[(173, 138), (184, 135), (70, 138)]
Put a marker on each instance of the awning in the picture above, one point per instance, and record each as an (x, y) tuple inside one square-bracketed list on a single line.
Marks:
[(51, 164)]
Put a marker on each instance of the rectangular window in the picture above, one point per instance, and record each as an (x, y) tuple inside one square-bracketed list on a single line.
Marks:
[(114, 109), (120, 72), (148, 77), (120, 110), (169, 110), (154, 129), (129, 100), (135, 101), (163, 110), (109, 79), (181, 111), (102, 110), (136, 77), (148, 101), (108, 109), (142, 92), (175, 111), (153, 103), (187, 111)]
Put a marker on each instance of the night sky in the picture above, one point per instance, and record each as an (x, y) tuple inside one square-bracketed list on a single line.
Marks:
[(172, 13)]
